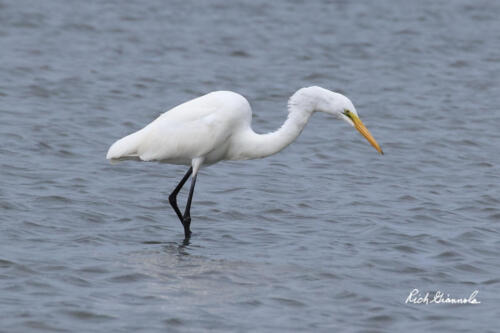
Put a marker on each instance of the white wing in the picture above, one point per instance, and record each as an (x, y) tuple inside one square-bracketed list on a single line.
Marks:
[(181, 142), (193, 129)]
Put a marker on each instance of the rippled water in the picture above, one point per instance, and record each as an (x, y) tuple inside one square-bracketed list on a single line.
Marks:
[(325, 236)]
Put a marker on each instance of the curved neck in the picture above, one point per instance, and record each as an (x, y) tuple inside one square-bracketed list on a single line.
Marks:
[(252, 145)]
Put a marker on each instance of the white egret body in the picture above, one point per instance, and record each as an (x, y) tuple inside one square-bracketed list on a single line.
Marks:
[(217, 127)]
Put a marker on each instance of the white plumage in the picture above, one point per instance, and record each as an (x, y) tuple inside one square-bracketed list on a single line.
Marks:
[(201, 127), (217, 126)]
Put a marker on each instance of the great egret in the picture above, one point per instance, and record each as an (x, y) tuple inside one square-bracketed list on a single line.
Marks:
[(217, 127)]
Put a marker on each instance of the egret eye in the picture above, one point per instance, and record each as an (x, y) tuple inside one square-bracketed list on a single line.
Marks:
[(347, 113)]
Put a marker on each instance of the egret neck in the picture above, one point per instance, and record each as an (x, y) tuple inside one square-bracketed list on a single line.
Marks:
[(252, 145)]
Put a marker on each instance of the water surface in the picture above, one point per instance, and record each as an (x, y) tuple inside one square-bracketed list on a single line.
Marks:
[(325, 236)]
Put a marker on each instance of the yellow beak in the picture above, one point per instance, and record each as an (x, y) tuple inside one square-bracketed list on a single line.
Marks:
[(364, 131)]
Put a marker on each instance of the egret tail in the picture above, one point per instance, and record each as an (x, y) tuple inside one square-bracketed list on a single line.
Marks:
[(125, 147)]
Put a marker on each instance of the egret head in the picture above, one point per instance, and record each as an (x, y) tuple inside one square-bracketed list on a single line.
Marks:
[(341, 107)]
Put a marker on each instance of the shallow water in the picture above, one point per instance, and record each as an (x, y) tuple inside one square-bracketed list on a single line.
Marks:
[(325, 236)]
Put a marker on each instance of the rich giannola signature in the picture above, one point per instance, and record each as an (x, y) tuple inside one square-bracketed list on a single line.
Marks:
[(438, 297)]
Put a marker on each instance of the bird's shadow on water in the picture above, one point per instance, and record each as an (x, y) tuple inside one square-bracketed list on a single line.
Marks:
[(180, 248)]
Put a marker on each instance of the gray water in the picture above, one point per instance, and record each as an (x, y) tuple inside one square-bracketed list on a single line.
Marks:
[(326, 236)]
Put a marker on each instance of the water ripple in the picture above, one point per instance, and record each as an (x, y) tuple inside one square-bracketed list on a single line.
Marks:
[(325, 236)]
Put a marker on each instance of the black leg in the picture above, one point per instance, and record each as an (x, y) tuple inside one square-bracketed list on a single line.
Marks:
[(172, 198), (186, 221)]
